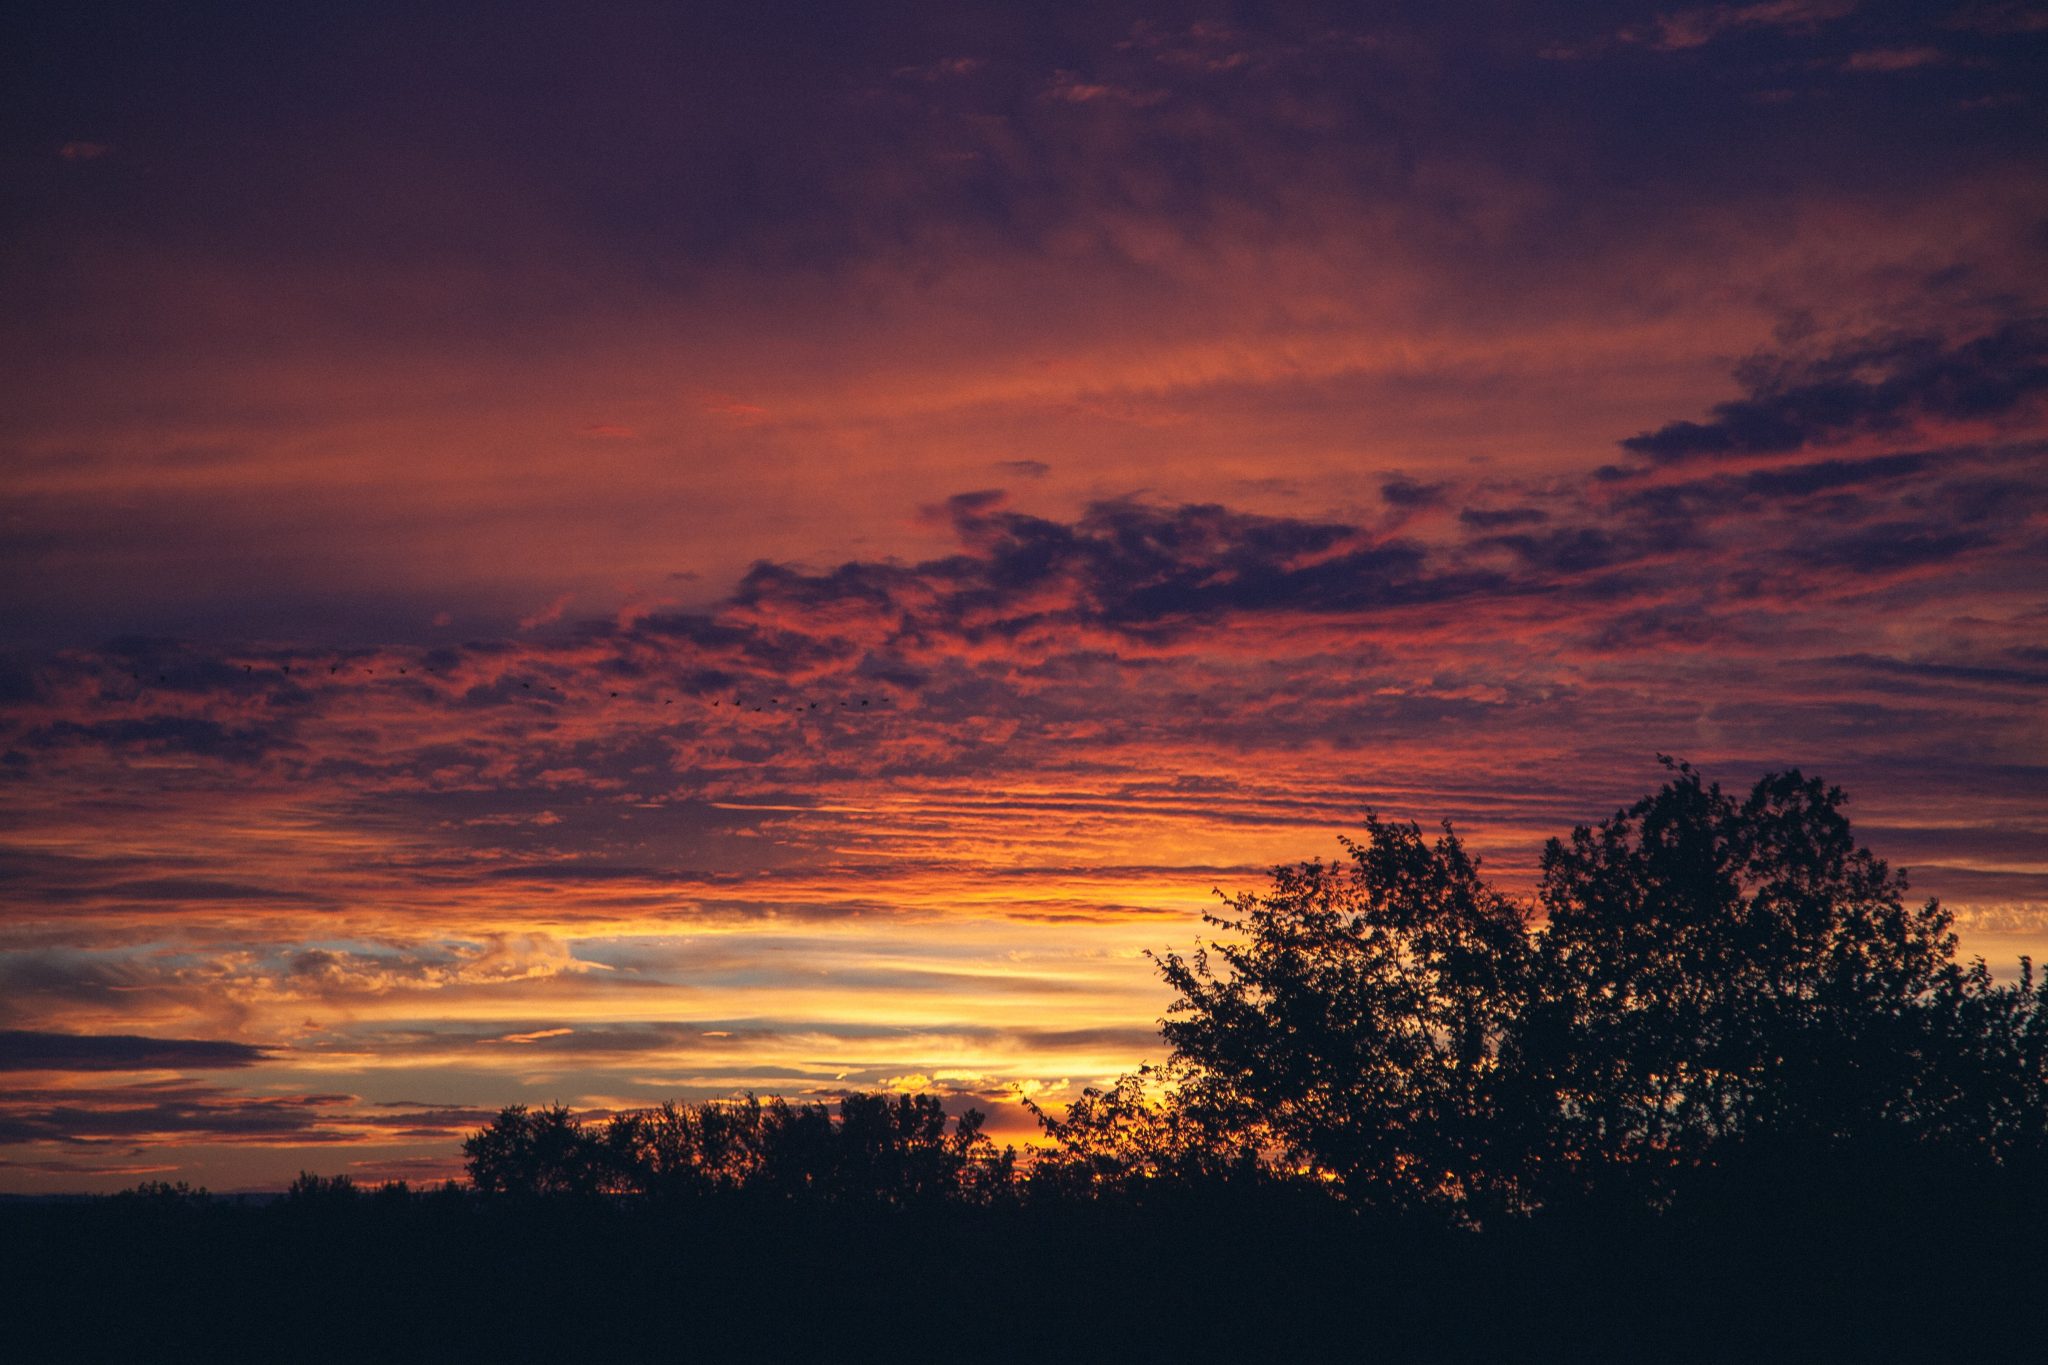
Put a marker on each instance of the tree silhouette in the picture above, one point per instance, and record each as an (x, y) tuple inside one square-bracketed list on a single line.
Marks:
[(1143, 1134), (688, 1149), (1714, 984), (1356, 1015), (319, 1191), (899, 1150), (880, 1149), (1984, 1088), (1714, 973), (544, 1151)]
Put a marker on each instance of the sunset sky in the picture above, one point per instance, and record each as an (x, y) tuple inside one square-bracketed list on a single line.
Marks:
[(612, 552)]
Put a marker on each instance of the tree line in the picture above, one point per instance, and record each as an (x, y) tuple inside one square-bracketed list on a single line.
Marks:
[(1715, 988), (897, 1149)]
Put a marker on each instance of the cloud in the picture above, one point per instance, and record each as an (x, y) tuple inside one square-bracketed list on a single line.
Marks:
[(1999, 674), (497, 959), (1691, 28), (1686, 501), (152, 1113), (1124, 567), (1895, 59), (533, 1036), (1891, 547), (945, 68), (1409, 494), (1829, 475), (198, 736), (25, 1050), (200, 889), (2000, 17), (1569, 550), (1496, 518), (66, 1169), (1071, 88), (549, 614), (1876, 387)]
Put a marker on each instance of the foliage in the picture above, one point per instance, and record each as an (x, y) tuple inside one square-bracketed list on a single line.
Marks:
[(1714, 983), (1985, 1081), (1357, 1015), (1715, 973), (879, 1149), (320, 1190), (544, 1151), (164, 1194), (1262, 1270), (1142, 1134)]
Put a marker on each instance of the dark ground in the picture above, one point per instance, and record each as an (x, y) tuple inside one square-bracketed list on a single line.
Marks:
[(1905, 1272)]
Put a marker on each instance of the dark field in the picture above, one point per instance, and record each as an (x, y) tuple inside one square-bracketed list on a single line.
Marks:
[(1856, 1268)]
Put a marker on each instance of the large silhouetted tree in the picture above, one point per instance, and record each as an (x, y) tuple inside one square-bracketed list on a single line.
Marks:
[(1355, 1015), (1716, 972), (1714, 982)]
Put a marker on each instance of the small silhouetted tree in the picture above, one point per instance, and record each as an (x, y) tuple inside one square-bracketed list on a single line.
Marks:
[(899, 1150), (164, 1194), (312, 1191), (688, 1149), (544, 1151), (1984, 1091), (1142, 1135)]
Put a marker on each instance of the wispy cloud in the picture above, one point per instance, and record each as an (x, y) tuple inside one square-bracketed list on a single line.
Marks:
[(1881, 387), (1679, 30), (23, 1050)]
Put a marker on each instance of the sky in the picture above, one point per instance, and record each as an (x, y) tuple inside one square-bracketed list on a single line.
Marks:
[(617, 552)]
